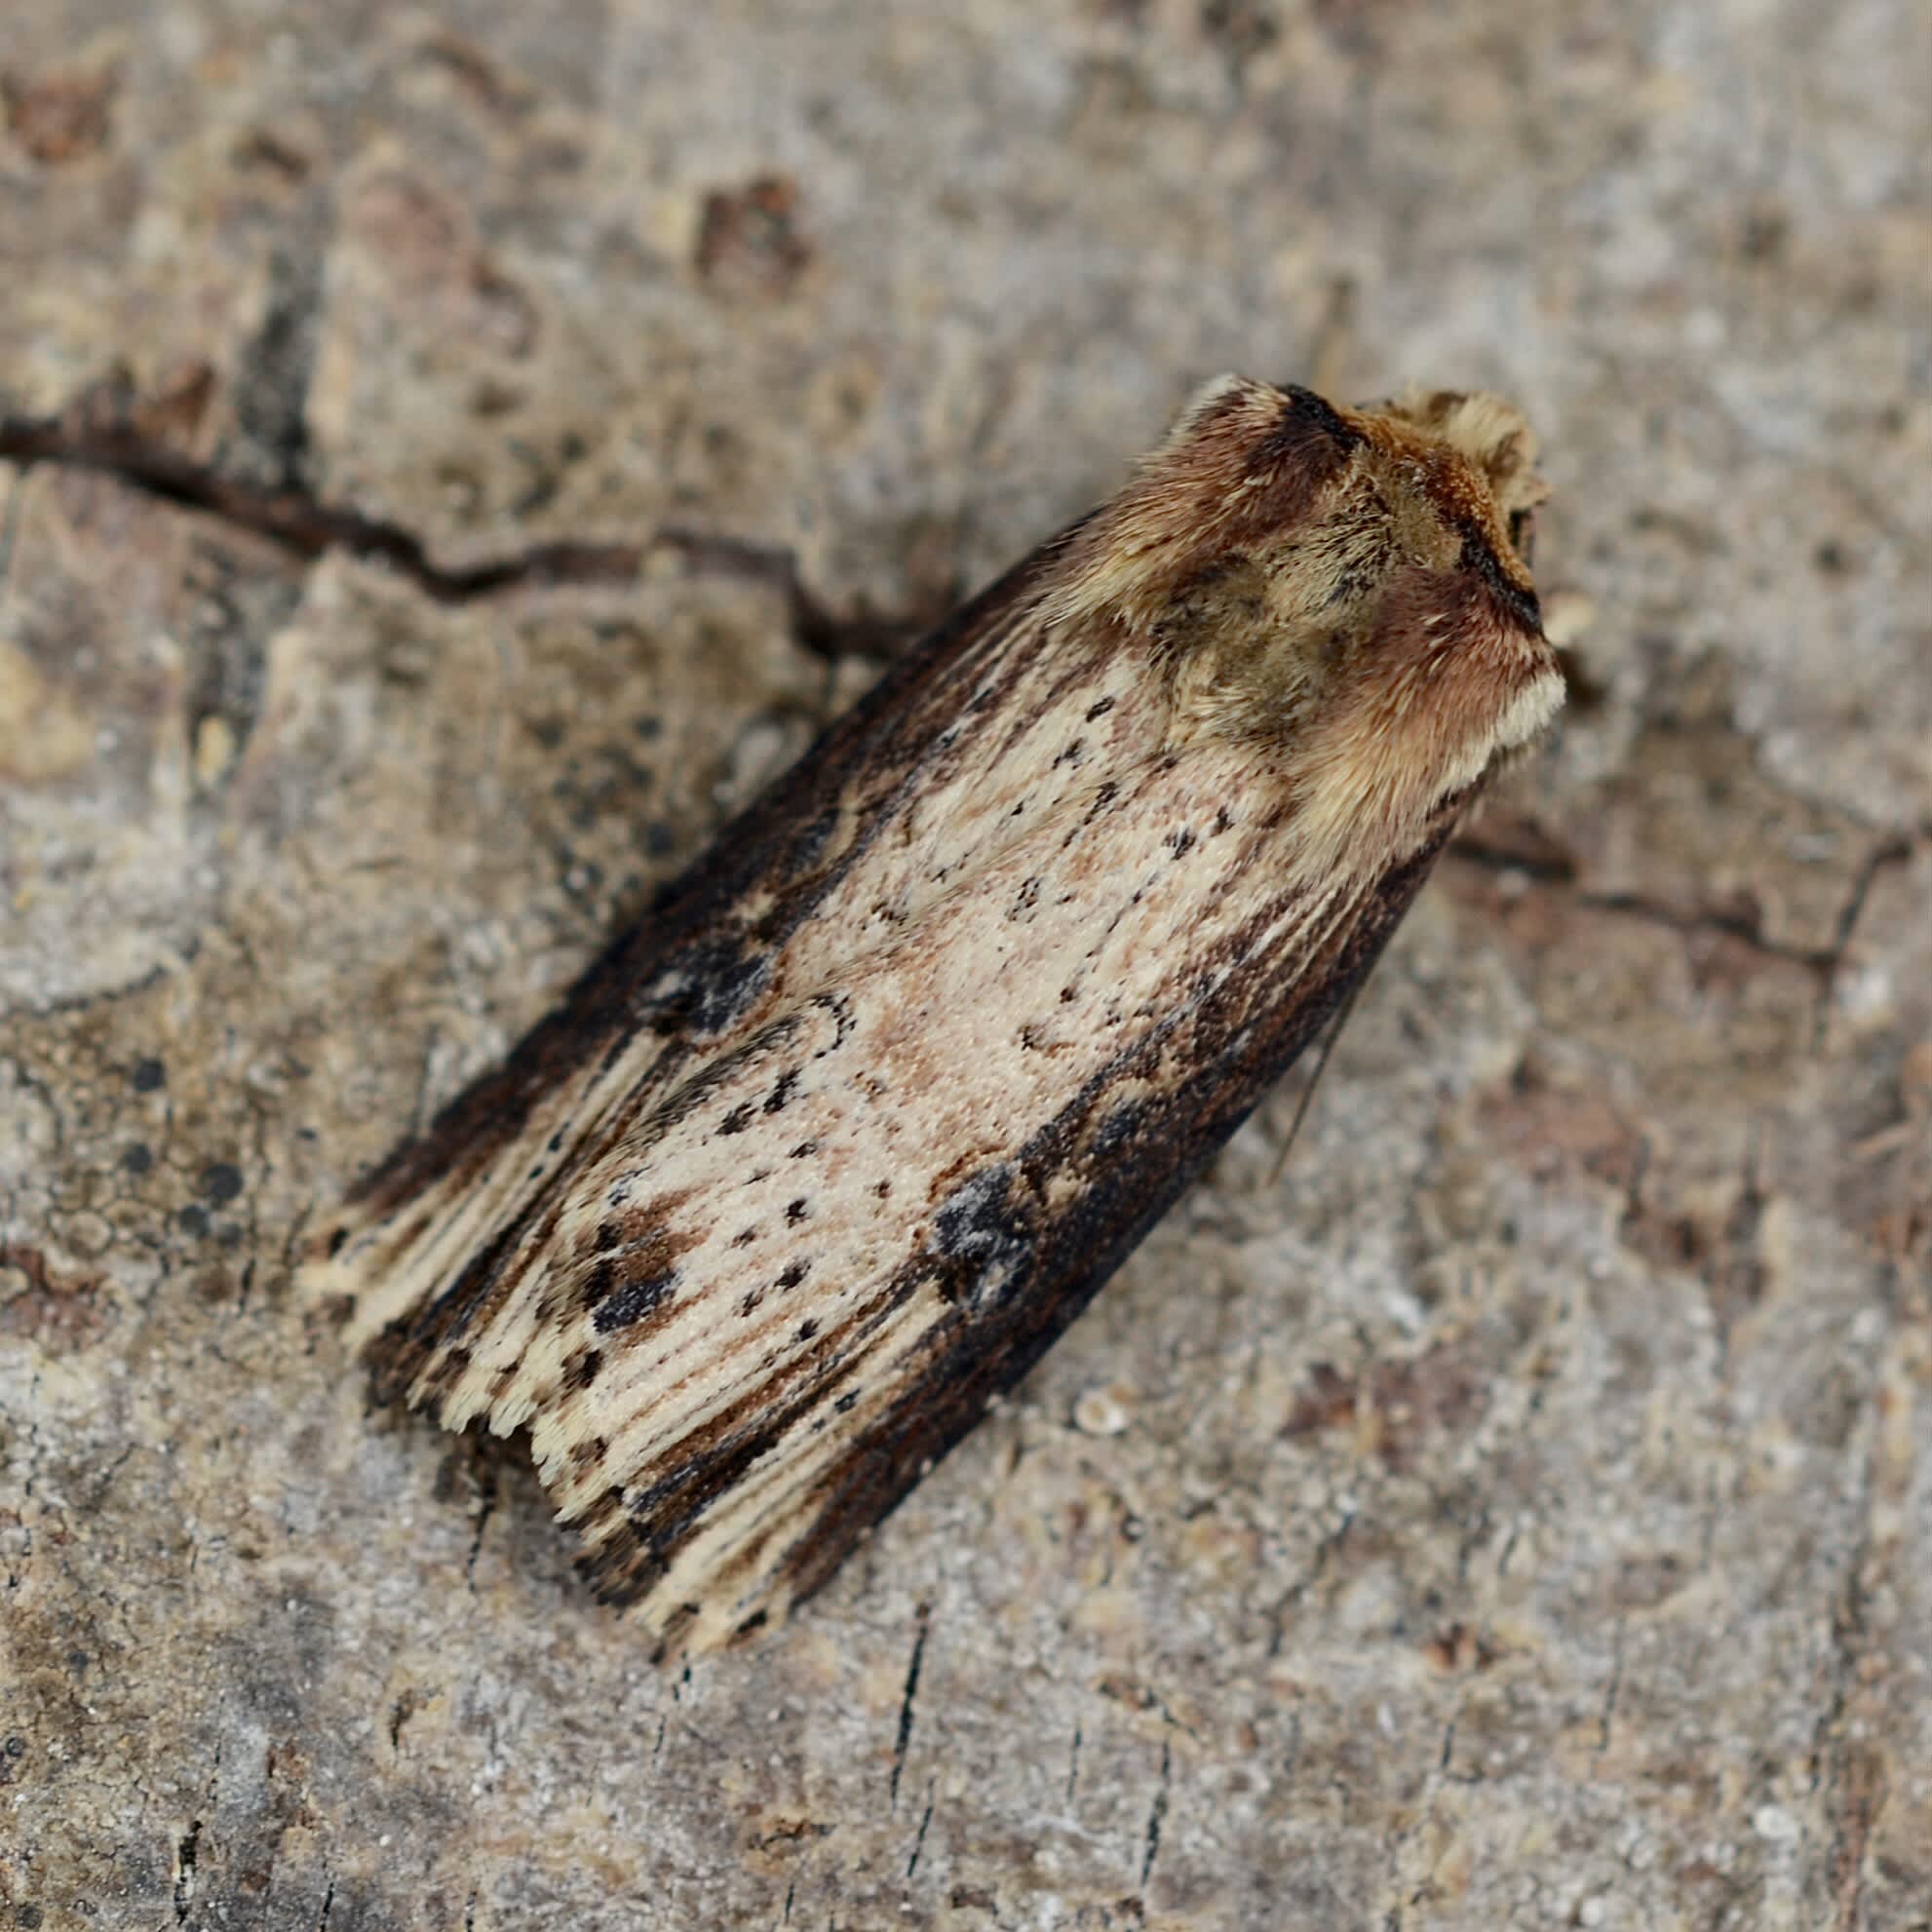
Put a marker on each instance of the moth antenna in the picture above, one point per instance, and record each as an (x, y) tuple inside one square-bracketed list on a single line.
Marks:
[(1307, 1099)]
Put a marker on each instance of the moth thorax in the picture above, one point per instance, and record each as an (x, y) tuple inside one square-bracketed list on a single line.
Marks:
[(1259, 640)]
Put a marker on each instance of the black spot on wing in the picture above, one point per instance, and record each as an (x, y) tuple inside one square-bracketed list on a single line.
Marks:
[(621, 1305), (1119, 1127), (704, 986), (581, 1368), (812, 839), (840, 1006), (982, 1240)]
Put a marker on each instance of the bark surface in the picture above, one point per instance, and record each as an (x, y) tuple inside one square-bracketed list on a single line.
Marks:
[(449, 458)]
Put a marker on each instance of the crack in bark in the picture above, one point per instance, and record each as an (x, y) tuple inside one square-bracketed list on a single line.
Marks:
[(485, 1509), (904, 1737), (187, 1850), (310, 526), (919, 1838), (1560, 874), (1156, 1815), (1606, 1717)]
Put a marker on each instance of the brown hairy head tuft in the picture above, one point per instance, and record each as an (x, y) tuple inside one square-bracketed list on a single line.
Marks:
[(1345, 585), (1487, 432)]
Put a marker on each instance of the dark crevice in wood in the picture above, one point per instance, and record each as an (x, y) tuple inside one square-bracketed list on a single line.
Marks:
[(311, 526), (1743, 925)]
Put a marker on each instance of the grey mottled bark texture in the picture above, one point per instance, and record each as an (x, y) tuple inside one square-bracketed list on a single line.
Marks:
[(1520, 1513)]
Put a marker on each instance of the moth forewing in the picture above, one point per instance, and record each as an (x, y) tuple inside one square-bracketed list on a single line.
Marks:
[(820, 1156)]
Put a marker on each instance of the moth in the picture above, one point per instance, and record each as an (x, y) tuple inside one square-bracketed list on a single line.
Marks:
[(820, 1156)]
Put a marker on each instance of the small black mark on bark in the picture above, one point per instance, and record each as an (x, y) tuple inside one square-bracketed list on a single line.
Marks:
[(485, 1509), (1157, 1814), (186, 1852), (220, 1182), (912, 1669), (919, 1838), (401, 1710)]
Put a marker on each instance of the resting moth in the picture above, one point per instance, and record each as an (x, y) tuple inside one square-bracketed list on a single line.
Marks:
[(822, 1154)]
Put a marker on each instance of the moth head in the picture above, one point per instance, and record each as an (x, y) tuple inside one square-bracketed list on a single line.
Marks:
[(1492, 438), (1347, 590)]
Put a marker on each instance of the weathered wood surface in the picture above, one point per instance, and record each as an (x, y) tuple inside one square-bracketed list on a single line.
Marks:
[(1520, 1513)]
